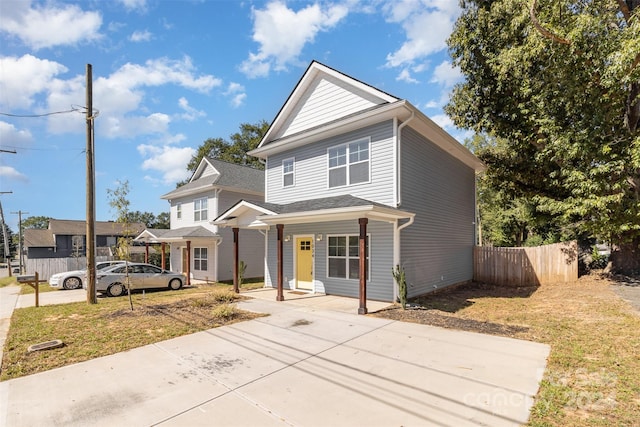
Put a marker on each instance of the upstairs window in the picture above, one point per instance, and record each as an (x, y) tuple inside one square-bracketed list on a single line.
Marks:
[(288, 172), (200, 209), (349, 163), (179, 211)]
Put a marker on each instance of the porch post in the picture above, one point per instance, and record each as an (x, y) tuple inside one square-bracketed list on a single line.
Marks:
[(146, 252), (280, 296), (363, 265), (235, 260), (188, 262), (163, 246)]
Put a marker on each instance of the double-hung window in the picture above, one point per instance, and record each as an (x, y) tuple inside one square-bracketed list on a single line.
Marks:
[(200, 257), (179, 211), (200, 209), (349, 163), (288, 172), (343, 253)]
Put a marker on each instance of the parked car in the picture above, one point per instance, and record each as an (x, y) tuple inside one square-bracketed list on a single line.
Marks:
[(75, 279), (112, 281)]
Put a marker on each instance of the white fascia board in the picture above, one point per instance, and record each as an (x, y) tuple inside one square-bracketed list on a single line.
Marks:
[(243, 208), (338, 214)]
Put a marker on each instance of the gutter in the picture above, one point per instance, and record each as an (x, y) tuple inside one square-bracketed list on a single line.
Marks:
[(399, 161)]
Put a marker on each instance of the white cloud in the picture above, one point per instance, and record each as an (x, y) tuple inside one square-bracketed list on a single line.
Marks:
[(48, 25), (405, 76), (427, 24), (170, 161), (443, 121), (22, 78), (11, 173), (237, 93), (10, 136), (141, 36), (190, 113), (140, 5), (446, 74), (120, 97), (282, 34)]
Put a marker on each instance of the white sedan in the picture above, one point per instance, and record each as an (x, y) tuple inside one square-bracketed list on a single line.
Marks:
[(75, 279)]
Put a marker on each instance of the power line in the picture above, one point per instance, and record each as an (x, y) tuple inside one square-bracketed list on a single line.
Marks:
[(73, 110)]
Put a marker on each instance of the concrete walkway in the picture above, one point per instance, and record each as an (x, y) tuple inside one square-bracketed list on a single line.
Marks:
[(312, 362)]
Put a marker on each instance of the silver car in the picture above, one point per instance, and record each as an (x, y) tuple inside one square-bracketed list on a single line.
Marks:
[(75, 279), (112, 281)]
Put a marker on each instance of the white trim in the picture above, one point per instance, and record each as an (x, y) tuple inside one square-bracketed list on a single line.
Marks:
[(200, 199), (347, 257), (292, 173), (398, 164), (295, 238), (348, 162), (373, 212)]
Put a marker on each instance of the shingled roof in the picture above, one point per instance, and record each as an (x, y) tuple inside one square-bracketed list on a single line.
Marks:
[(229, 175), (36, 238)]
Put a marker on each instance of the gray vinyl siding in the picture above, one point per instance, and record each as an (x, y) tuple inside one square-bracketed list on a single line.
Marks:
[(327, 100), (311, 169), (380, 285), (437, 249)]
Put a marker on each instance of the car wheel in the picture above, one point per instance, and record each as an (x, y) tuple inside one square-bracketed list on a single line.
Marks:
[(175, 284), (72, 283), (116, 290)]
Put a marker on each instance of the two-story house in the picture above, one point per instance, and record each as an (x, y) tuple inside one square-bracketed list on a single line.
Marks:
[(199, 248), (358, 181)]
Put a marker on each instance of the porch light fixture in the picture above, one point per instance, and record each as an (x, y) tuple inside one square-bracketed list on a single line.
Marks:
[(287, 237), (319, 237)]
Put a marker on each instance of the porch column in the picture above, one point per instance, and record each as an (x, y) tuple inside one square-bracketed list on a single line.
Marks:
[(235, 260), (188, 263), (280, 296), (163, 247), (146, 252), (363, 265)]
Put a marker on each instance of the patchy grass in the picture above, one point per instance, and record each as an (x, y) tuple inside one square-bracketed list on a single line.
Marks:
[(90, 331), (592, 372), (6, 281), (42, 287)]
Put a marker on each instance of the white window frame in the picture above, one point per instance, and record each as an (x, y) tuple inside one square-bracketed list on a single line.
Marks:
[(178, 210), (198, 258), (200, 210), (292, 173), (348, 163), (347, 257)]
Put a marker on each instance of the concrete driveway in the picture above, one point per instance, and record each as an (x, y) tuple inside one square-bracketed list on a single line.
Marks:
[(312, 362)]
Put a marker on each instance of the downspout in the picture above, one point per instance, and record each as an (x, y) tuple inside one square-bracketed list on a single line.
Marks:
[(265, 233), (396, 247), (399, 158)]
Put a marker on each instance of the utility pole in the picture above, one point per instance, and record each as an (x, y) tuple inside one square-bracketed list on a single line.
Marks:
[(20, 263), (7, 251), (91, 200)]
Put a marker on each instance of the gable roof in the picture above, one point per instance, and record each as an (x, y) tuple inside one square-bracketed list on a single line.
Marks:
[(36, 238), (327, 103), (213, 173), (308, 99)]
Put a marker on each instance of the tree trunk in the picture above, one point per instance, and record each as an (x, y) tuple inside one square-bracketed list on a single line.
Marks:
[(625, 258)]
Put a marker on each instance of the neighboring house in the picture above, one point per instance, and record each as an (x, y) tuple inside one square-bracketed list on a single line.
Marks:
[(197, 247), (67, 238), (353, 173)]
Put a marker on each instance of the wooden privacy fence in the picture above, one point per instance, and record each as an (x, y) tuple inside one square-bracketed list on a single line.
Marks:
[(537, 265), (47, 267)]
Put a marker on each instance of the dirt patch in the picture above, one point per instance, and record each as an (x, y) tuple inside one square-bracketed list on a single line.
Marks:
[(493, 309)]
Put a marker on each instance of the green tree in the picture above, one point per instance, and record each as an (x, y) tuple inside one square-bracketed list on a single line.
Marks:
[(235, 151), (119, 202), (163, 220), (13, 243), (559, 81), (36, 222)]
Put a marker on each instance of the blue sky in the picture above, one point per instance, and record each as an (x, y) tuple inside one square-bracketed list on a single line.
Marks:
[(168, 74)]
